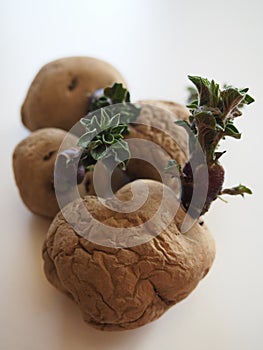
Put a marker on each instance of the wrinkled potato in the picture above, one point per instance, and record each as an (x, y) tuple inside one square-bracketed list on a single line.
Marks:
[(58, 95), (124, 288), (159, 117)]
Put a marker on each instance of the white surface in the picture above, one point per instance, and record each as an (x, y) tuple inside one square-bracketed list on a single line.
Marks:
[(155, 44)]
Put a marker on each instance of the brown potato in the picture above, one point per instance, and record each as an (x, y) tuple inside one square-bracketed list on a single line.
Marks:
[(156, 124), (164, 146), (34, 158), (119, 288), (58, 96), (33, 163)]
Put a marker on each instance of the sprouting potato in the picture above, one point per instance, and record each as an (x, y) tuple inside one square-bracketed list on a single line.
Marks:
[(58, 96)]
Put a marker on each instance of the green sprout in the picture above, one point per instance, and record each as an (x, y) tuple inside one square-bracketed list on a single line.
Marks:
[(104, 139), (212, 119), (118, 97)]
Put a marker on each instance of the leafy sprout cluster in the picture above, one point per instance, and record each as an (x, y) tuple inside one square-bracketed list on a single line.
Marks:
[(105, 128), (118, 97), (212, 115), (111, 95), (104, 139), (104, 134)]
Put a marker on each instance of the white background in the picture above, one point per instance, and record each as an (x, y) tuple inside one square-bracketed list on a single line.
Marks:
[(155, 44)]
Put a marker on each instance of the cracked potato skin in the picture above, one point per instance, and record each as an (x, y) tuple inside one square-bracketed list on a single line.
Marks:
[(58, 95), (124, 288)]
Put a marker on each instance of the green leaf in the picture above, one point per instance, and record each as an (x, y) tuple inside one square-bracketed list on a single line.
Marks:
[(206, 125), (244, 189), (105, 119), (223, 105), (193, 105), (202, 86), (95, 143), (222, 199), (240, 189), (128, 112), (231, 98), (218, 155), (109, 96), (205, 119), (243, 91), (86, 138), (108, 139), (231, 130), (117, 93), (99, 152), (220, 125), (104, 139), (100, 103), (248, 99), (94, 122), (115, 120), (214, 94), (120, 153), (119, 130)]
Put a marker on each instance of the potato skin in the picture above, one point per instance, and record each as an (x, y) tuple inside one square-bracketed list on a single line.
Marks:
[(34, 169), (33, 164), (162, 114), (125, 288), (171, 139), (57, 96)]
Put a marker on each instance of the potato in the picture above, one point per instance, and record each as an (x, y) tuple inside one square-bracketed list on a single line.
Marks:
[(127, 286), (34, 158), (33, 163), (58, 96), (155, 124)]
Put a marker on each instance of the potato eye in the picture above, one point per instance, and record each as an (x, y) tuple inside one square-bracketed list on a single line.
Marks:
[(72, 85)]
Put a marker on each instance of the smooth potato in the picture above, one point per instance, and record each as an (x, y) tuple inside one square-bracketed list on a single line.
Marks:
[(33, 162), (58, 95)]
